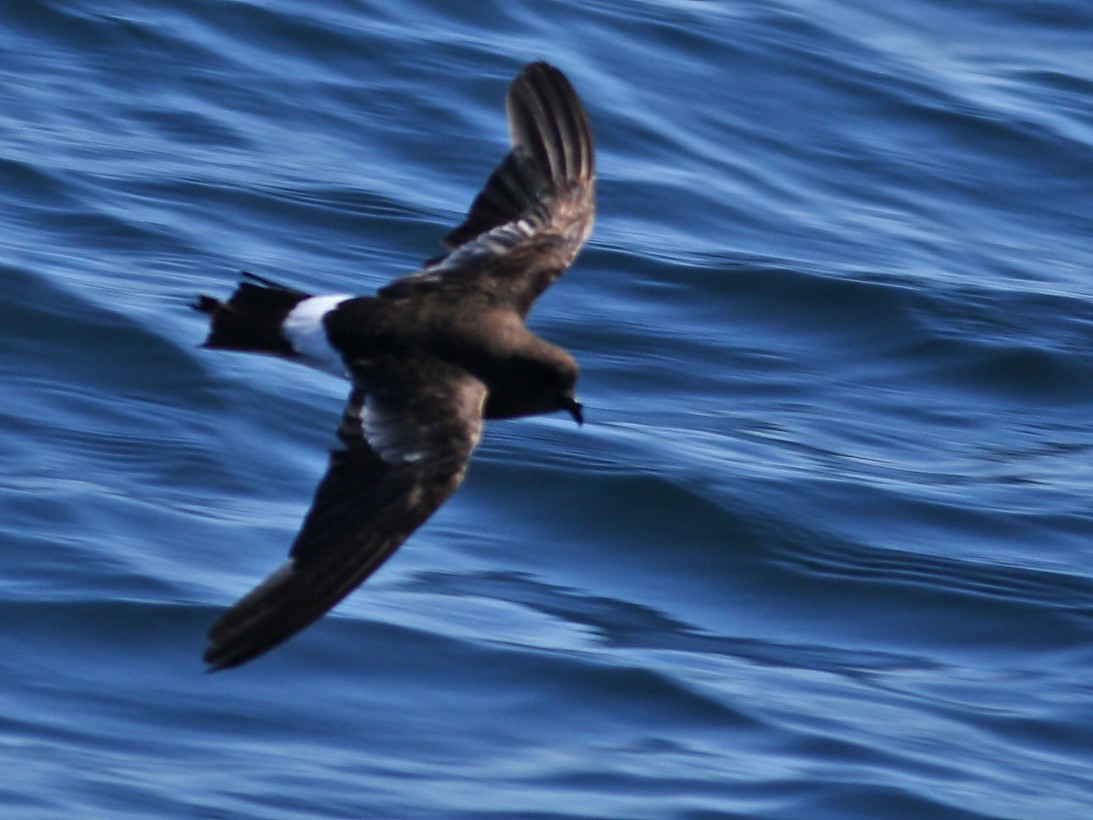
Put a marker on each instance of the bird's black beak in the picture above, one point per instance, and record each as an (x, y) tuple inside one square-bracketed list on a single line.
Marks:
[(575, 409)]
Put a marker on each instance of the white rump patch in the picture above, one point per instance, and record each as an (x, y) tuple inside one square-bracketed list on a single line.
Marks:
[(304, 330)]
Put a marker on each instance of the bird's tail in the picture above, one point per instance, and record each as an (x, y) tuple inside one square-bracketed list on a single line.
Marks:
[(251, 319)]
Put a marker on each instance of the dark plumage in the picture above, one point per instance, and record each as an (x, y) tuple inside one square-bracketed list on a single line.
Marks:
[(430, 356)]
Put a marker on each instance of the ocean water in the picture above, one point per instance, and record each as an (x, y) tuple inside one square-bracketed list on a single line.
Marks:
[(823, 548)]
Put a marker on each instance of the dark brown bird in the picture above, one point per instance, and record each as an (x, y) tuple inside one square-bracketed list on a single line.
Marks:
[(430, 356)]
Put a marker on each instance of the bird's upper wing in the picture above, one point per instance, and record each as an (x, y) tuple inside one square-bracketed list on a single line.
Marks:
[(408, 431), (537, 208)]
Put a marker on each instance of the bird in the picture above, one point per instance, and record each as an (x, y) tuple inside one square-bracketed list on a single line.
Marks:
[(429, 358)]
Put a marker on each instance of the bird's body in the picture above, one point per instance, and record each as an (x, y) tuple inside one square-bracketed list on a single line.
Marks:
[(430, 356)]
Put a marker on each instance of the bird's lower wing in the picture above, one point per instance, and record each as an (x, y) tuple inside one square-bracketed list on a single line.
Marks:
[(409, 429)]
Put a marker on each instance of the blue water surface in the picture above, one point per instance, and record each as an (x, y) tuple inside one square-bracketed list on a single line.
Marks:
[(822, 549)]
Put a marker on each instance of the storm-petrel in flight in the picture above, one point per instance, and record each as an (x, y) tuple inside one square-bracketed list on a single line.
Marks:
[(429, 356)]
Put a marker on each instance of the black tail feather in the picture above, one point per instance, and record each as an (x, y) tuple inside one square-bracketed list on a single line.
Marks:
[(251, 319)]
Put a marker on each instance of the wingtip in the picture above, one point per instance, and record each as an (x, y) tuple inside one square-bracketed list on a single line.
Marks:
[(538, 67), (212, 666), (264, 618), (217, 656), (221, 655), (548, 120)]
